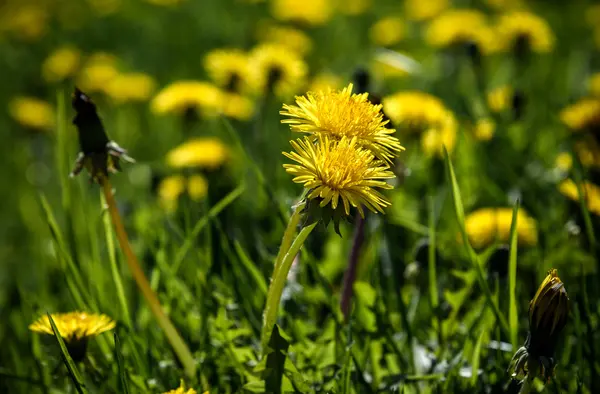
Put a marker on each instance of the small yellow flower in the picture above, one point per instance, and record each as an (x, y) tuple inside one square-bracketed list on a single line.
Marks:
[(354, 7), (32, 112), (387, 31), (594, 84), (228, 68), (277, 68), (334, 170), (339, 114), (324, 81), (181, 390), (582, 115), (236, 106), (74, 326), (591, 194), (98, 71), (209, 153), (28, 21), (130, 87), (169, 191), (197, 187), (500, 98), (484, 129), (434, 140), (522, 26), (292, 38), (182, 95), (461, 27), (488, 225), (311, 12), (564, 161), (419, 10), (61, 64)]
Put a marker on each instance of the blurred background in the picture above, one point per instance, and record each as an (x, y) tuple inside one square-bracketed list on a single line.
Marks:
[(193, 89)]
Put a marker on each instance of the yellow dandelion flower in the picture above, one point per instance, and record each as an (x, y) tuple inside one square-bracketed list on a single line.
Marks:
[(182, 390), (521, 27), (130, 87), (61, 64), (461, 27), (592, 15), (435, 139), (105, 7), (387, 31), (339, 114), (504, 4), (26, 21), (236, 106), (165, 3), (74, 326), (500, 99), (354, 7), (488, 225), (209, 153), (228, 68), (591, 194), (32, 112), (334, 170), (277, 68), (311, 12), (582, 115), (182, 95), (97, 72), (564, 161), (197, 187), (418, 10), (324, 81), (484, 129), (292, 38), (169, 191), (594, 84)]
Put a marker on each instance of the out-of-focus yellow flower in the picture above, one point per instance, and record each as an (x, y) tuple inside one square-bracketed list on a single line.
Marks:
[(500, 98), (172, 187), (387, 31), (488, 225), (419, 10), (334, 170), (505, 4), (74, 326), (182, 95), (228, 68), (32, 112), (521, 27), (236, 106), (277, 68), (97, 72), (295, 39), (564, 161), (166, 3), (311, 12), (594, 84), (339, 114), (181, 390), (420, 113), (209, 153), (197, 187), (27, 20), (592, 15), (582, 115), (323, 81), (354, 7), (484, 129), (105, 7), (61, 64), (591, 194), (461, 27), (130, 87), (587, 151)]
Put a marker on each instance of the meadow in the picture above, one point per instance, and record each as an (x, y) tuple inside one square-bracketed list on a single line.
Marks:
[(316, 196)]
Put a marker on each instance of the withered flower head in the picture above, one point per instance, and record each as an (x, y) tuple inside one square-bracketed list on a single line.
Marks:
[(98, 154)]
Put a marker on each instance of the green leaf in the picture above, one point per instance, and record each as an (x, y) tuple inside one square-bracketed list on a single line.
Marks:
[(513, 320), (119, 357), (476, 358), (276, 357), (66, 357)]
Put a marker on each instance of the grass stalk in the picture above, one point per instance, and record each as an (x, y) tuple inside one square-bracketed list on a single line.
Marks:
[(350, 274)]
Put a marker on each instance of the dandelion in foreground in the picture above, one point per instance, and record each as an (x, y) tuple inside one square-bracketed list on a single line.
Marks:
[(75, 328), (339, 173), (98, 154), (182, 390), (548, 315), (339, 114)]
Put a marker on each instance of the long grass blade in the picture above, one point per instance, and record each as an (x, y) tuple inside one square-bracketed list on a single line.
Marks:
[(513, 320)]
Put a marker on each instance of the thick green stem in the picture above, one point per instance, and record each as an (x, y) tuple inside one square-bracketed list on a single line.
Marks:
[(288, 236), (179, 346), (278, 281)]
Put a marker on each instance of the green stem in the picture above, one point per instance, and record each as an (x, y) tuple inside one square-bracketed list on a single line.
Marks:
[(288, 236), (179, 346), (278, 281)]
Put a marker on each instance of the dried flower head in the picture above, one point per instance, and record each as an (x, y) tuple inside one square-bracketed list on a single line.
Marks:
[(341, 114), (98, 154)]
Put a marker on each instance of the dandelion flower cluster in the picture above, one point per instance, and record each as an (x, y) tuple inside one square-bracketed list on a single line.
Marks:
[(488, 225), (338, 114), (74, 326), (516, 28)]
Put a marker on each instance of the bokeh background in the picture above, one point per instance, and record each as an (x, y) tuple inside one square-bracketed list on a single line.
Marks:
[(193, 90)]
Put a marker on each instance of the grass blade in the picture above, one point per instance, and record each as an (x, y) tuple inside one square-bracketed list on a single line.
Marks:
[(66, 357), (119, 357), (252, 270), (513, 320), (476, 359), (431, 268)]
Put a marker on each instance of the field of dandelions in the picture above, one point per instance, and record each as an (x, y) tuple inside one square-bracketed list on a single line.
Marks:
[(285, 196)]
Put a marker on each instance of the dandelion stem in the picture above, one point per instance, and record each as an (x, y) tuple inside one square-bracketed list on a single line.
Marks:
[(179, 346), (280, 273), (350, 274)]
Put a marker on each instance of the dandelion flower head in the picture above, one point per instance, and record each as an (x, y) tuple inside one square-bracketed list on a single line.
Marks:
[(74, 326), (387, 31), (582, 115), (32, 112), (208, 152), (339, 172), (591, 194), (290, 37), (339, 114), (488, 225), (310, 12), (135, 86), (419, 10), (228, 68), (461, 27), (522, 27), (182, 95), (61, 64), (500, 98), (97, 72)]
